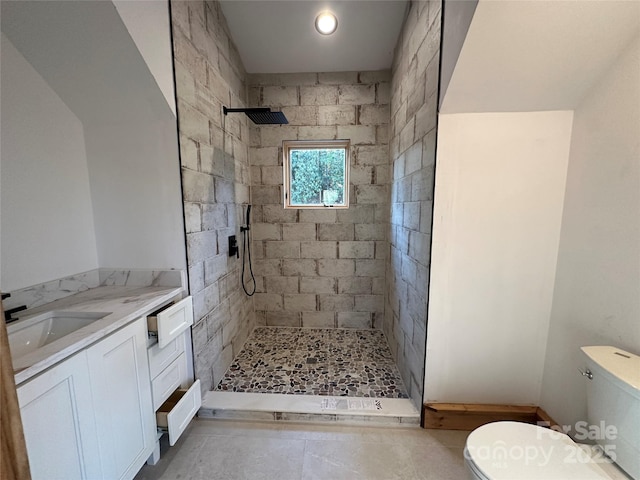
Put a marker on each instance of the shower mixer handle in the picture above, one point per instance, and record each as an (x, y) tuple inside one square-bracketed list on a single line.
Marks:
[(234, 251)]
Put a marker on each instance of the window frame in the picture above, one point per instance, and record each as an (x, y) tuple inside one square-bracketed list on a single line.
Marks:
[(288, 145)]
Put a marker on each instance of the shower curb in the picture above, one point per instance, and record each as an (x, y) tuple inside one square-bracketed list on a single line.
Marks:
[(308, 408)]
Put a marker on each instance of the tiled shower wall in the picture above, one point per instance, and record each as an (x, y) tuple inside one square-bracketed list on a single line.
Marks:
[(317, 268), (322, 267), (215, 180), (413, 134)]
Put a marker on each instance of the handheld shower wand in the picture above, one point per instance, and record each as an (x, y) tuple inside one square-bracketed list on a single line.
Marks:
[(246, 248), (246, 227)]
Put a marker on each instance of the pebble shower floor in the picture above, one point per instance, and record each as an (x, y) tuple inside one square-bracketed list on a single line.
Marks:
[(310, 361)]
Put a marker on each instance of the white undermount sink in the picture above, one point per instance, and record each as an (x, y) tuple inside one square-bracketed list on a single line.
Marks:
[(31, 333)]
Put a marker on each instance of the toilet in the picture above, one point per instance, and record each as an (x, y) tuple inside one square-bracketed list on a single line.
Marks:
[(514, 450)]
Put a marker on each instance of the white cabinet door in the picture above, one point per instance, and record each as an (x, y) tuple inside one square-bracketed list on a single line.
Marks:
[(57, 416), (121, 388)]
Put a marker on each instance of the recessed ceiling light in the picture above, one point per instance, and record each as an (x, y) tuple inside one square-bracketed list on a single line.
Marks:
[(326, 23)]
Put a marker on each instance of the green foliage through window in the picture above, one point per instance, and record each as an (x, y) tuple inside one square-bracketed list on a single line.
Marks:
[(317, 174)]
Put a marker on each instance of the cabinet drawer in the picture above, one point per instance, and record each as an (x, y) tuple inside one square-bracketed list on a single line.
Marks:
[(171, 378), (176, 413), (161, 358), (171, 321)]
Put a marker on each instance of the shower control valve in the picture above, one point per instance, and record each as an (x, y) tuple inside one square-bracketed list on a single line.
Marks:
[(233, 247)]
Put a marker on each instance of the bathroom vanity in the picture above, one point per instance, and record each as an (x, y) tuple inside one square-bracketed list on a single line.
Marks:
[(95, 401)]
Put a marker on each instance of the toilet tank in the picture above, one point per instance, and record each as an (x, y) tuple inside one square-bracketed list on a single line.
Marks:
[(613, 405)]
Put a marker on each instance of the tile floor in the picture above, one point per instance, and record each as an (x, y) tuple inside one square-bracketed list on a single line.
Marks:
[(315, 361), (229, 450)]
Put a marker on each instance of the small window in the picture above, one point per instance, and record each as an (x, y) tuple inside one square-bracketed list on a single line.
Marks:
[(316, 174)]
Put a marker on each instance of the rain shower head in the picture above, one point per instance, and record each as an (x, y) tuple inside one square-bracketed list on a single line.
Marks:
[(260, 116)]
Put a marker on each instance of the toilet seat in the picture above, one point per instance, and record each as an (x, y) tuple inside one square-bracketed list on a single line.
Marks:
[(521, 451)]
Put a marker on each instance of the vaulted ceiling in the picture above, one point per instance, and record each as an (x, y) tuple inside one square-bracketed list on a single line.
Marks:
[(537, 55)]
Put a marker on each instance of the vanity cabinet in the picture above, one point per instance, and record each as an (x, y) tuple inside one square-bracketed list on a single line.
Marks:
[(99, 414), (91, 416)]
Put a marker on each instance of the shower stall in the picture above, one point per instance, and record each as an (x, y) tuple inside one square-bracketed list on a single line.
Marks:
[(309, 361), (338, 301)]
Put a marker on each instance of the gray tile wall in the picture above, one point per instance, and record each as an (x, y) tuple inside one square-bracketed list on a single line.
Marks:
[(322, 268), (215, 180), (412, 144)]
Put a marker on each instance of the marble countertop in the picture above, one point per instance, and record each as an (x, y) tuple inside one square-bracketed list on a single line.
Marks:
[(122, 304)]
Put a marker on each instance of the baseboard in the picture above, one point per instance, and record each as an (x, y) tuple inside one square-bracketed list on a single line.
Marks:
[(468, 416)]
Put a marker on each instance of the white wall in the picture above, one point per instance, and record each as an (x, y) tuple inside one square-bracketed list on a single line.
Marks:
[(534, 55), (134, 174), (498, 203), (130, 171), (597, 290), (47, 219), (457, 18), (148, 25), (134, 168)]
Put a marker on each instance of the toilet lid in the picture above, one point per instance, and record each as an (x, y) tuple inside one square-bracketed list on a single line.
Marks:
[(520, 451)]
